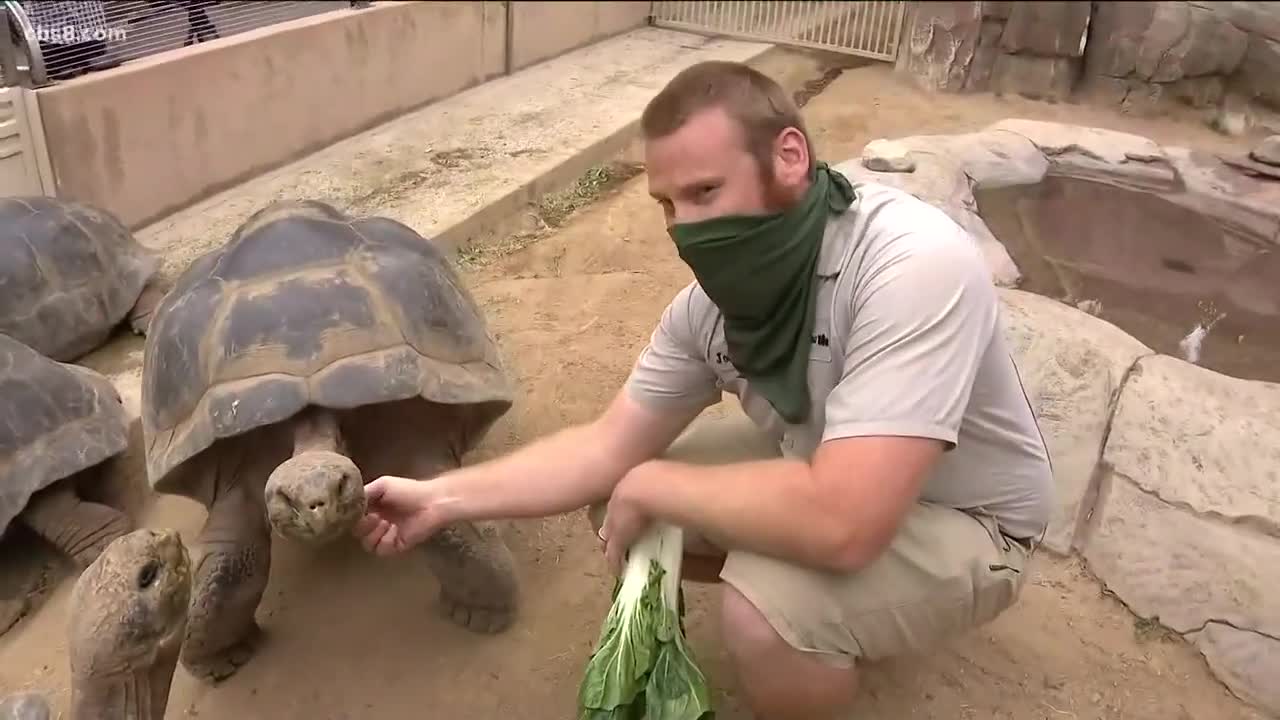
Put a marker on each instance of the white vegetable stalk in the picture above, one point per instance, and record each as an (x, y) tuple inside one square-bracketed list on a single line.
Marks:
[(662, 542), (641, 668)]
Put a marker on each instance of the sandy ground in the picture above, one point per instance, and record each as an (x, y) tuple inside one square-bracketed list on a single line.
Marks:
[(351, 636)]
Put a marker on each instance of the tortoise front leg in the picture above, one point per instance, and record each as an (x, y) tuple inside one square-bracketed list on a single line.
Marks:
[(78, 528), (471, 561), (145, 307), (476, 571), (475, 568), (231, 573)]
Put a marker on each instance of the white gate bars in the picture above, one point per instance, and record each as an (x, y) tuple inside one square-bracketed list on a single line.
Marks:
[(24, 159), (870, 28)]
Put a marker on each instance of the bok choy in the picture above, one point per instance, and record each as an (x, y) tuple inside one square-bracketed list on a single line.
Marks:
[(641, 668)]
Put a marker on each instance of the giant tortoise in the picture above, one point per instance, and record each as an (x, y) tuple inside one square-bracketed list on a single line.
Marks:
[(69, 274), (311, 353), (58, 423), (128, 610)]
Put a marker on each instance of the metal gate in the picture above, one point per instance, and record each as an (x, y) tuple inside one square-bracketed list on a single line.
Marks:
[(871, 28), (24, 161)]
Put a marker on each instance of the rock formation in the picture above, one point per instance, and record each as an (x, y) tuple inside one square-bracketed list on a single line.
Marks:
[(1168, 472), (1223, 57)]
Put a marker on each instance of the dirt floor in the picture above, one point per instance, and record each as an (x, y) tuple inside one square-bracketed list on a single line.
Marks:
[(350, 636)]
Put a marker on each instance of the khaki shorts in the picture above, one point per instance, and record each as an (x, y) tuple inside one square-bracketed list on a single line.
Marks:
[(945, 572)]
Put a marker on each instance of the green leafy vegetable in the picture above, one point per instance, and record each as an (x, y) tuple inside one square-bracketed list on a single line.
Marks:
[(641, 668)]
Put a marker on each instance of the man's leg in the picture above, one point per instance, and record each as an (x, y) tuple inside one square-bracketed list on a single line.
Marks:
[(779, 681), (795, 634)]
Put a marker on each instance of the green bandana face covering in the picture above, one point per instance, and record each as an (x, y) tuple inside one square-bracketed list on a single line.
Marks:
[(759, 270)]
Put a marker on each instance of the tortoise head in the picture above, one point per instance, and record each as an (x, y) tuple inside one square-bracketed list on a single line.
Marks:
[(130, 603), (315, 496)]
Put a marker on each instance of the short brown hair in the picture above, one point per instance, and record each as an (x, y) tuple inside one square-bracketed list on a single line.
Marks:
[(752, 99)]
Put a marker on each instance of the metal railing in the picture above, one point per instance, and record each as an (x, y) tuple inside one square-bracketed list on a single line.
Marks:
[(52, 40), (869, 28)]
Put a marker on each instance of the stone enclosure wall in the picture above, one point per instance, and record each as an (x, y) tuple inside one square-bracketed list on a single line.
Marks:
[(1167, 472), (1222, 57)]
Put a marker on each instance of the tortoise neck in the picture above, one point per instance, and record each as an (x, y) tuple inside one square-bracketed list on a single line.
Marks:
[(317, 430), (137, 694)]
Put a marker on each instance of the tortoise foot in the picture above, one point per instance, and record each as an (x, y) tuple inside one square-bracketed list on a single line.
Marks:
[(482, 619), (145, 307), (478, 586), (218, 666)]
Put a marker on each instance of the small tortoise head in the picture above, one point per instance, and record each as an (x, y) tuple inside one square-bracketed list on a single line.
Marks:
[(130, 603), (315, 496)]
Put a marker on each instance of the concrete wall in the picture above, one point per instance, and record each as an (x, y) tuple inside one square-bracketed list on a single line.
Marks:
[(159, 133), (543, 30)]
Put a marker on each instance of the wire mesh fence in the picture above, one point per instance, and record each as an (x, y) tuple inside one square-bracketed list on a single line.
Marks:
[(54, 40)]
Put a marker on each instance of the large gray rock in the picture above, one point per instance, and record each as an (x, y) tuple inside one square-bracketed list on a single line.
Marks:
[(1117, 37), (1199, 92), (1048, 29), (1090, 153), (939, 181), (1038, 78), (1258, 18), (939, 43), (943, 170), (997, 10), (984, 57), (1247, 208), (1162, 42), (1204, 441), (1267, 151), (1072, 366), (1187, 528), (990, 159), (1259, 76), (1244, 661)]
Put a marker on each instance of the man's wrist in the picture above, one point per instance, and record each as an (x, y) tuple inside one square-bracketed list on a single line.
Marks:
[(441, 498), (640, 487)]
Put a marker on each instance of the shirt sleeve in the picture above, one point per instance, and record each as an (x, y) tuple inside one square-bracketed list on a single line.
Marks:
[(670, 372), (922, 320)]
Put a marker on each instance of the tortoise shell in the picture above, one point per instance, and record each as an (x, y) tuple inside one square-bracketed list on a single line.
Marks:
[(69, 274), (307, 306), (56, 419)]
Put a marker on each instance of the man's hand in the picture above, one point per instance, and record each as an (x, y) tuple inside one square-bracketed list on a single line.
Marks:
[(623, 525), (401, 513)]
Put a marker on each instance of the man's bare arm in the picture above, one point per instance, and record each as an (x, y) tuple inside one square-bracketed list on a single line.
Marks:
[(567, 470), (837, 514)]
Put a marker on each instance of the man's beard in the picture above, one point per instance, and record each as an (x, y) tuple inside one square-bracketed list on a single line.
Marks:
[(777, 199)]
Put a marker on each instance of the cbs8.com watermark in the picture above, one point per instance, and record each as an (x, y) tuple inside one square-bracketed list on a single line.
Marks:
[(69, 34)]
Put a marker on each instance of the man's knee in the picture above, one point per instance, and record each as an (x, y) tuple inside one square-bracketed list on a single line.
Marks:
[(747, 631), (780, 680)]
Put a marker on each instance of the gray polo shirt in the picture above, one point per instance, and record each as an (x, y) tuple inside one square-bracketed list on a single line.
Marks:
[(906, 342)]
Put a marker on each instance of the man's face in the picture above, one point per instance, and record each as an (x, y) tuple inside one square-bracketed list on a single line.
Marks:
[(704, 170)]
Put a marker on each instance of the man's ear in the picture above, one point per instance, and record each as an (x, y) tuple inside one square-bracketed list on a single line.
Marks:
[(791, 157)]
